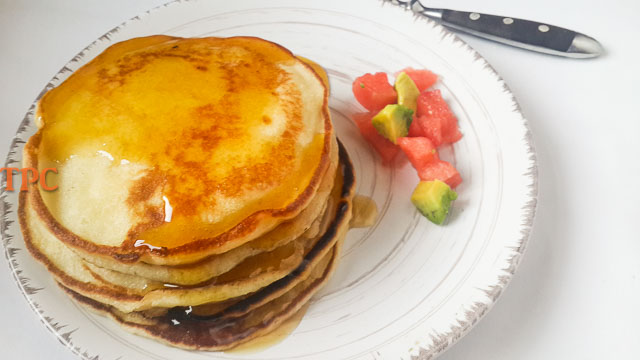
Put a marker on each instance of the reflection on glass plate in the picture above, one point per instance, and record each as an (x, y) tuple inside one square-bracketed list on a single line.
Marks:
[(404, 287)]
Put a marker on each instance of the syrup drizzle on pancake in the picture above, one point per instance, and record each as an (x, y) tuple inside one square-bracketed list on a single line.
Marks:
[(219, 126)]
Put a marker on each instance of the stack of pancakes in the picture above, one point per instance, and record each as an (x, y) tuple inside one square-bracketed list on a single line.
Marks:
[(202, 195)]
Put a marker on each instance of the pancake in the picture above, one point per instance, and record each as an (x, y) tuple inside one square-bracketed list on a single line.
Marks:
[(179, 329), (130, 293), (215, 265), (239, 306), (170, 150), (203, 197)]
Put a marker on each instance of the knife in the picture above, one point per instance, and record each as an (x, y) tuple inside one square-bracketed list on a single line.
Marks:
[(521, 33)]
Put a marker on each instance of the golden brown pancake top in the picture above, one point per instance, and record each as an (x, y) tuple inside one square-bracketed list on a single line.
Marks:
[(221, 127)]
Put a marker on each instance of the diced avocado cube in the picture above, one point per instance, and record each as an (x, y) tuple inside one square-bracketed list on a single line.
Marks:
[(393, 121), (407, 91), (433, 199)]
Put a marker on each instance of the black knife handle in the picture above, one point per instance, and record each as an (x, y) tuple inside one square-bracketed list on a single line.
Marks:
[(518, 32)]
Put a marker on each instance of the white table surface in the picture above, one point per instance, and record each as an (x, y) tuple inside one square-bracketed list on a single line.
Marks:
[(577, 292)]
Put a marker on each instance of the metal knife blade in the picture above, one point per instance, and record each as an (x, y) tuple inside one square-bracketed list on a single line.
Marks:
[(520, 33)]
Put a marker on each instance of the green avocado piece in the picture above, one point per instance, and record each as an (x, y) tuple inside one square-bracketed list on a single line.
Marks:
[(433, 199), (407, 91), (393, 121)]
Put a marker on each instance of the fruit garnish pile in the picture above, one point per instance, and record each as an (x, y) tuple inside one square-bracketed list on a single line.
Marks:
[(410, 118)]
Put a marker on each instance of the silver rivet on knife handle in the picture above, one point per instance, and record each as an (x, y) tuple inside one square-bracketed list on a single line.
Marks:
[(521, 33)]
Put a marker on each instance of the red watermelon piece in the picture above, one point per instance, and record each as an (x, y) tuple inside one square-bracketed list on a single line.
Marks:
[(440, 170), (431, 128), (419, 150), (387, 150), (423, 79), (438, 115), (373, 91), (451, 134), (415, 130)]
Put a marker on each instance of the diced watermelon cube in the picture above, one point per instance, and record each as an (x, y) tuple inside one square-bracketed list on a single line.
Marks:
[(431, 128), (451, 134), (432, 106), (415, 130), (384, 147), (373, 91), (419, 150), (423, 79), (440, 170)]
